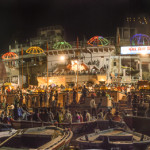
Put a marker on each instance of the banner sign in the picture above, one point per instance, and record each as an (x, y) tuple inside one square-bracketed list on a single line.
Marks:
[(132, 50)]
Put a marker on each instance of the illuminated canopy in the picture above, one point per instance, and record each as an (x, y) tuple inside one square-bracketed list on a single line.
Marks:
[(98, 41), (140, 39), (34, 50), (62, 45), (10, 55)]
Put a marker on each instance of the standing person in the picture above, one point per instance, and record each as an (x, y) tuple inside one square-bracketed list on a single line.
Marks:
[(3, 89), (81, 117), (33, 101), (21, 99), (99, 105), (6, 109), (129, 98), (41, 99), (4, 101), (113, 101), (16, 100), (74, 97), (50, 116), (27, 98), (16, 112), (45, 98), (11, 110), (67, 100), (61, 118), (50, 98), (56, 98), (84, 92), (93, 107), (20, 112)]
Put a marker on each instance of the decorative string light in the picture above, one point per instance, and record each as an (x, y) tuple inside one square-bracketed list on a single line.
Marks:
[(34, 50), (10, 55), (98, 41), (140, 39), (62, 45)]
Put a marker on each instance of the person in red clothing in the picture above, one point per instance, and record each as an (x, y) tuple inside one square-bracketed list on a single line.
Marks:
[(116, 117)]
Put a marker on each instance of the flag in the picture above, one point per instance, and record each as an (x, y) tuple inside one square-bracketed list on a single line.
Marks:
[(118, 42), (77, 42)]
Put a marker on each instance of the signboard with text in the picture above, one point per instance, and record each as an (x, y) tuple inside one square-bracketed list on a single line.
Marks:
[(132, 50)]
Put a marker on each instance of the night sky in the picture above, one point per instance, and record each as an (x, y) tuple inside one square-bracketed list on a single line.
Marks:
[(82, 18)]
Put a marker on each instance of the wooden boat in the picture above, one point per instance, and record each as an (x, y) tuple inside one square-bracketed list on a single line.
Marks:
[(139, 124), (6, 131), (75, 127), (50, 137), (114, 138), (106, 124)]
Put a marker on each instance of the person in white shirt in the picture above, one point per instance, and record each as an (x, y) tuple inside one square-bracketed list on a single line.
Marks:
[(88, 116), (93, 107)]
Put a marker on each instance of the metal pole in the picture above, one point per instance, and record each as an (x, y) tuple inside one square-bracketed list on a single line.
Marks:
[(22, 66), (28, 73)]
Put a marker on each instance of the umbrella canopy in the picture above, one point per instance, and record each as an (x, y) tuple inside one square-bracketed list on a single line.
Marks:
[(10, 55), (98, 41), (34, 50)]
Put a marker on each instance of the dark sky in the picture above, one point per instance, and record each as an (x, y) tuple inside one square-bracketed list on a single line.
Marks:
[(83, 18)]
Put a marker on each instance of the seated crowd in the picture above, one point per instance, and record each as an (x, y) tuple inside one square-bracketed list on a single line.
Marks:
[(60, 116)]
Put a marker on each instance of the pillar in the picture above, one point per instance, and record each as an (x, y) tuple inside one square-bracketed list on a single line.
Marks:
[(140, 65)]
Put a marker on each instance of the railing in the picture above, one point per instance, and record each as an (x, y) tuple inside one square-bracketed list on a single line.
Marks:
[(68, 74)]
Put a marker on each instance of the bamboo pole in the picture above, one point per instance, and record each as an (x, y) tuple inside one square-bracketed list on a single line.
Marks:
[(47, 65)]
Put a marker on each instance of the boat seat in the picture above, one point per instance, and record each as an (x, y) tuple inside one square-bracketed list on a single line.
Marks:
[(117, 138)]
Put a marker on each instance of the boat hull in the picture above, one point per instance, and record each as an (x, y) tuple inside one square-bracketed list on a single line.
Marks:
[(51, 137), (76, 128), (114, 138), (139, 124)]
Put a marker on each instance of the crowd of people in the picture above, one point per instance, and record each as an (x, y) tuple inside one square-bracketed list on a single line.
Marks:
[(46, 107), (139, 104), (59, 116)]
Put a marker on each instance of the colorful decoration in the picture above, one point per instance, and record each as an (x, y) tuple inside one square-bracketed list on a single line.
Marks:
[(34, 50), (98, 41), (62, 45), (140, 39), (10, 55)]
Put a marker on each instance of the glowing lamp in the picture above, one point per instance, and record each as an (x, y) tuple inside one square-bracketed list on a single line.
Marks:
[(62, 58)]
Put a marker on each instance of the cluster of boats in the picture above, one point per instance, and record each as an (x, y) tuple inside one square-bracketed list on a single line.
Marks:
[(97, 134)]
